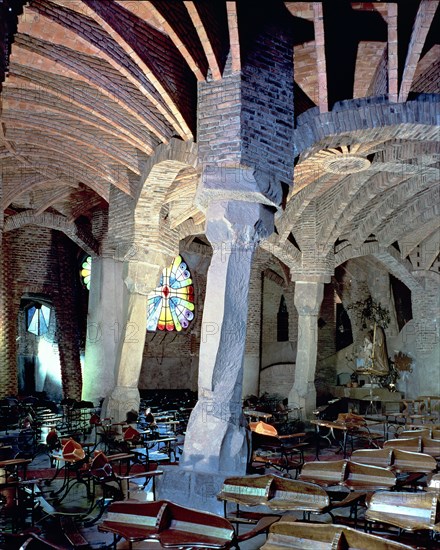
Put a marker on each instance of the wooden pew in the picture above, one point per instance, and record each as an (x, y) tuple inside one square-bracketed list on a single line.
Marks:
[(373, 457), (354, 476), (431, 446), (280, 494), (359, 477), (412, 444), (395, 460), (306, 536), (323, 473), (172, 525), (408, 511), (406, 461)]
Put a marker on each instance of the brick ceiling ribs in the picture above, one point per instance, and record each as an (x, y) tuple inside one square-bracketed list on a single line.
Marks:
[(91, 88)]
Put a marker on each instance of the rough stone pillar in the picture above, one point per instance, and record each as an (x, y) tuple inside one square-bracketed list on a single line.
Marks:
[(308, 299), (140, 279), (216, 435), (103, 328)]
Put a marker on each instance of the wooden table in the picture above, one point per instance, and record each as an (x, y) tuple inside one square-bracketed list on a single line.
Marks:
[(258, 415), (347, 429)]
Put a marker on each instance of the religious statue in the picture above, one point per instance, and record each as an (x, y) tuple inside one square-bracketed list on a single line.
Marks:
[(375, 353)]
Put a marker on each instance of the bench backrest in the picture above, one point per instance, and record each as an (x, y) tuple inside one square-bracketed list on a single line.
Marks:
[(413, 444), (406, 461), (364, 476), (246, 487), (169, 522), (291, 494), (373, 457), (407, 434), (431, 446), (409, 511), (323, 473), (285, 535)]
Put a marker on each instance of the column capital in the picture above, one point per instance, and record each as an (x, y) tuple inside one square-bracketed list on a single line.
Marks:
[(141, 276), (298, 277), (236, 182), (237, 224), (308, 297)]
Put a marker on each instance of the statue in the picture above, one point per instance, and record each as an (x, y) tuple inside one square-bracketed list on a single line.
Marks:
[(374, 352)]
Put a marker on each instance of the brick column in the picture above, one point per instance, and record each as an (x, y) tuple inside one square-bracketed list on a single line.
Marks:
[(216, 435), (308, 299)]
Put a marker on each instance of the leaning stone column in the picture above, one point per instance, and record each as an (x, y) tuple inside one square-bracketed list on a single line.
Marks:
[(308, 299), (103, 328), (140, 279), (216, 435)]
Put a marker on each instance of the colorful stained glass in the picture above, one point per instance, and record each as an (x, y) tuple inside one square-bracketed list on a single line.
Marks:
[(86, 271), (38, 318), (171, 305)]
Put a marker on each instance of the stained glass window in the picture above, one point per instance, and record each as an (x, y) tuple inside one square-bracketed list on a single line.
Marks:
[(171, 305), (37, 319), (86, 271)]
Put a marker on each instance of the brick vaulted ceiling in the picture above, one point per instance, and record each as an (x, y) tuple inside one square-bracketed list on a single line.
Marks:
[(94, 86)]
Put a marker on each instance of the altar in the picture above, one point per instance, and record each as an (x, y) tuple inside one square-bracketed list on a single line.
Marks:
[(363, 396)]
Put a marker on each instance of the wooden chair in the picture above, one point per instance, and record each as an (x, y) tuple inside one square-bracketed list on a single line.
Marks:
[(285, 535), (358, 430), (280, 452), (407, 511)]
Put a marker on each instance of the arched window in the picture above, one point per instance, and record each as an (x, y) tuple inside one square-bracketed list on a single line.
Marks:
[(37, 319), (171, 305), (282, 322)]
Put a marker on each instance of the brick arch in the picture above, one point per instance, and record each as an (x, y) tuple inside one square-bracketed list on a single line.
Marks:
[(369, 119), (150, 223), (82, 238)]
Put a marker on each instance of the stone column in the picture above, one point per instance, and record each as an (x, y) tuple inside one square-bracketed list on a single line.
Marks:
[(140, 278), (308, 299), (216, 436), (103, 328)]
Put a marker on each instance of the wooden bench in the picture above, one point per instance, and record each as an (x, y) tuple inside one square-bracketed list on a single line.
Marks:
[(301, 536), (359, 477), (353, 476), (280, 494), (395, 460), (407, 511), (418, 444), (412, 444), (172, 525), (323, 473)]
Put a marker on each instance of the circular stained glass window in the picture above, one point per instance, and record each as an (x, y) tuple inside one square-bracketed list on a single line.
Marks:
[(86, 271)]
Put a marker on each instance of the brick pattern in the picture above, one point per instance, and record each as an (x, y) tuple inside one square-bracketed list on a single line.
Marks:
[(42, 261)]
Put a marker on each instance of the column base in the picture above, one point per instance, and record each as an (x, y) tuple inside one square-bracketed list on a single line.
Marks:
[(121, 400), (306, 401), (215, 443)]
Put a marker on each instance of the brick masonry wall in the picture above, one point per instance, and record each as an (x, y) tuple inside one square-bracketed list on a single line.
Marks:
[(267, 118), (42, 261), (170, 359)]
